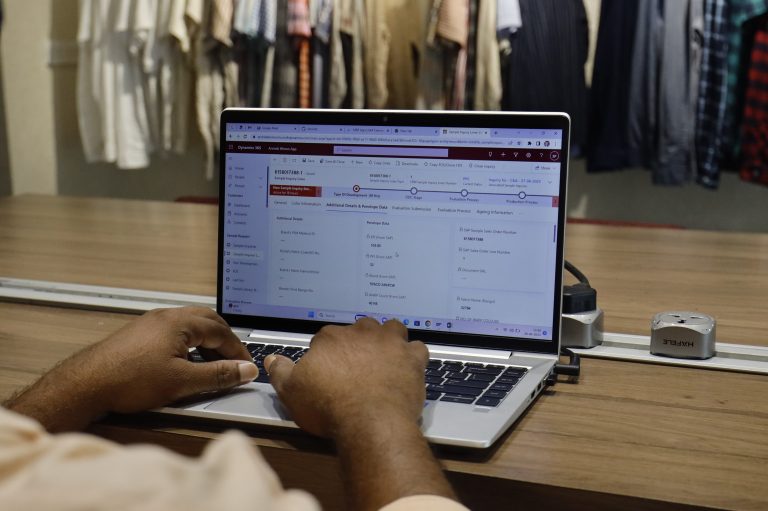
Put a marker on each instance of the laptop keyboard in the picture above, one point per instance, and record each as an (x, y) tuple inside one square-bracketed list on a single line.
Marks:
[(446, 380)]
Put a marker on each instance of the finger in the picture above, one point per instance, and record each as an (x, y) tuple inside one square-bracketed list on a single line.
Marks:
[(420, 351), (205, 312), (327, 332), (209, 334), (395, 327), (218, 375), (367, 323), (279, 369)]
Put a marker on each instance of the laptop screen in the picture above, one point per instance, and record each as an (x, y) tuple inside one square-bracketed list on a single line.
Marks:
[(450, 223)]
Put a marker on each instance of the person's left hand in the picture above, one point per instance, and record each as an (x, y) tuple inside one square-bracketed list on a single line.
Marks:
[(141, 366)]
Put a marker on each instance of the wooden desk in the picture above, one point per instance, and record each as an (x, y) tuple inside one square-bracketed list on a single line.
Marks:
[(628, 436)]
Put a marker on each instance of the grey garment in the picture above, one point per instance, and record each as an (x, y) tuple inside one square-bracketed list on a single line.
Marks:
[(321, 58), (664, 88), (678, 90), (642, 119), (321, 19), (285, 71)]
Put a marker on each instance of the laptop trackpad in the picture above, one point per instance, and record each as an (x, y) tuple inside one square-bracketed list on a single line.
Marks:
[(251, 402)]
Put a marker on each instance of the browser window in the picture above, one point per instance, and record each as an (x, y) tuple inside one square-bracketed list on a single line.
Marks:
[(444, 228)]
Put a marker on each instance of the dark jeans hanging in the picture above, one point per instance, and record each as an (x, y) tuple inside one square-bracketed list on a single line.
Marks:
[(544, 70)]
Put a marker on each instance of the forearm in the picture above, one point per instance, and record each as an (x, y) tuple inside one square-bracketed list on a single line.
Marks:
[(59, 401), (386, 459)]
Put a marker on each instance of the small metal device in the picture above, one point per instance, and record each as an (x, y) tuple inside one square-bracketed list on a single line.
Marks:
[(583, 329), (683, 335), (582, 318)]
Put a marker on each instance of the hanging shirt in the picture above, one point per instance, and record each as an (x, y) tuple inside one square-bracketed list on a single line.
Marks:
[(321, 17), (256, 18), (254, 22), (169, 77), (285, 72), (209, 80), (377, 42), (593, 18), (546, 73), (509, 19), (406, 46), (740, 12), (710, 110), (754, 140), (300, 30), (112, 111), (438, 66), (488, 87), (346, 87), (608, 142), (678, 90)]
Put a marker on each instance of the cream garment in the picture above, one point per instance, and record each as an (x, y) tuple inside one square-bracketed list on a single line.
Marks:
[(488, 85), (348, 18), (178, 80), (215, 69), (593, 18), (112, 112), (169, 77), (209, 84), (222, 12), (376, 53), (407, 22), (73, 471)]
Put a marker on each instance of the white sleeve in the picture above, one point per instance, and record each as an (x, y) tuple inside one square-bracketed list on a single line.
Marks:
[(75, 471)]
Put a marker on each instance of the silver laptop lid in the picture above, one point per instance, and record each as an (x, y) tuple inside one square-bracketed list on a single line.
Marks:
[(450, 222)]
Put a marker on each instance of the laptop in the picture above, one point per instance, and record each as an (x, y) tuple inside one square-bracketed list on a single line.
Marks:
[(451, 222)]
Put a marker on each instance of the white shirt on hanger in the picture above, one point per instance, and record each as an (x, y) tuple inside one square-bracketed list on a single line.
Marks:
[(111, 105)]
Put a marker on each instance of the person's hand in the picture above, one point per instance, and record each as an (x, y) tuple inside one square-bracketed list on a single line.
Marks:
[(144, 364), (364, 372), (363, 386), (141, 366)]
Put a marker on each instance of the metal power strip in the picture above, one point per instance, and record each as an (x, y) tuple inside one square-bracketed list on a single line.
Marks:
[(636, 348), (632, 348), (115, 299)]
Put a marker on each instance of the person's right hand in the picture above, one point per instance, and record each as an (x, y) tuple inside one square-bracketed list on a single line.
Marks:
[(360, 372)]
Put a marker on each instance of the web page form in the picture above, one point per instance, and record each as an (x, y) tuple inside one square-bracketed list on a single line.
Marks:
[(459, 234)]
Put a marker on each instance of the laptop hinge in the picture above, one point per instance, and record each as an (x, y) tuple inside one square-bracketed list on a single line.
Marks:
[(273, 336), (457, 351)]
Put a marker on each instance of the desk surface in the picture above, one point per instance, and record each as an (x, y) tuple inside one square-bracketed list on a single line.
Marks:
[(629, 435)]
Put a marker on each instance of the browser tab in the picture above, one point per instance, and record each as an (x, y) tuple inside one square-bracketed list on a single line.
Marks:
[(465, 132)]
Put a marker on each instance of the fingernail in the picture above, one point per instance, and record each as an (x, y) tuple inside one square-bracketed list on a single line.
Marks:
[(248, 372), (268, 362)]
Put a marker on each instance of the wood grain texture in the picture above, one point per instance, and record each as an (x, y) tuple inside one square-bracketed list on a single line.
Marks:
[(641, 271), (628, 436), (172, 247), (122, 243)]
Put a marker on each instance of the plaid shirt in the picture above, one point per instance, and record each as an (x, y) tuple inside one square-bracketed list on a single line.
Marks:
[(710, 111), (754, 140), (740, 12)]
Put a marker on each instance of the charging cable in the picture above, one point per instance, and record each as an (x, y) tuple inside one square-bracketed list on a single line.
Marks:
[(571, 369), (577, 298)]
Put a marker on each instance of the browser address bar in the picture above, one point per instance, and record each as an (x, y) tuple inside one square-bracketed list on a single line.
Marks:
[(431, 152)]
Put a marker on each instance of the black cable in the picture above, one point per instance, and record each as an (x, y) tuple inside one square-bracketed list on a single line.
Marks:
[(572, 369), (576, 273)]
